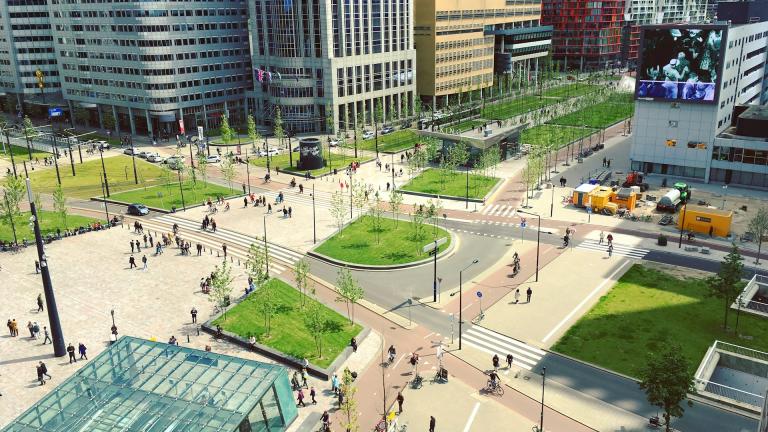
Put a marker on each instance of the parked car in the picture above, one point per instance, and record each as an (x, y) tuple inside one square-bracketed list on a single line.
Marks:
[(333, 142), (213, 159), (102, 145), (154, 157), (271, 152), (172, 160), (130, 151), (143, 154), (367, 135), (387, 129), (137, 210)]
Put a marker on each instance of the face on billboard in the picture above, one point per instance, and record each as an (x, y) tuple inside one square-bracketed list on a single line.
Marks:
[(681, 64)]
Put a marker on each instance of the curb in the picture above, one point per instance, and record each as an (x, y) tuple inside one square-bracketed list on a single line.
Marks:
[(157, 209), (448, 197)]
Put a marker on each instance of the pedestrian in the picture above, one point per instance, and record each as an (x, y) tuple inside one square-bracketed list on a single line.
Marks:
[(31, 329), (312, 394), (290, 212), (602, 237), (604, 161), (224, 249), (145, 241), (304, 377), (132, 247), (36, 329), (509, 361), (517, 296), (300, 398), (193, 312), (14, 327), (47, 336), (199, 249), (285, 212), (39, 302), (610, 250), (610, 239), (608, 163), (353, 344), (528, 294), (81, 348), (495, 361), (138, 246), (335, 383), (244, 190), (37, 267), (151, 240), (44, 370), (388, 186), (40, 374), (340, 394), (269, 208), (71, 352), (400, 400), (10, 326), (144, 262), (295, 381), (432, 424)]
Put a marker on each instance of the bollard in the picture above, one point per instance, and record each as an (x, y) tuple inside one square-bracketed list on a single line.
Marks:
[(198, 330), (217, 254), (238, 262), (187, 337), (210, 251), (231, 259)]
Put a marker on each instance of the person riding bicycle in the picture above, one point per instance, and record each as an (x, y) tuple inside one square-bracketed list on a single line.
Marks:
[(226, 207), (566, 239), (392, 353), (494, 380), (293, 182), (515, 258)]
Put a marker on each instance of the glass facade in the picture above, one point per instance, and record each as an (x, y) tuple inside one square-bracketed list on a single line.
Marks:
[(149, 386)]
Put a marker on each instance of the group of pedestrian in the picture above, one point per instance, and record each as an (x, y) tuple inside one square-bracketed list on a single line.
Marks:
[(528, 294), (138, 228), (256, 201), (132, 263), (299, 383), (610, 242), (81, 349), (606, 163), (42, 372), (208, 222)]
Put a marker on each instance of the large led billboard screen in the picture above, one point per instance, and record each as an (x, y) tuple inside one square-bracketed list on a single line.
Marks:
[(680, 63)]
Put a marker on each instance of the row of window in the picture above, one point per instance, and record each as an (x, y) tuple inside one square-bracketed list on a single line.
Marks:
[(182, 27), (119, 56), (379, 76), (484, 13), (150, 13), (740, 155), (238, 66), (463, 68), (463, 55), (101, 96), (150, 42), (461, 84)]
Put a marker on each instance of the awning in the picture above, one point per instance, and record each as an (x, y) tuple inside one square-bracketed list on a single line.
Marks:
[(87, 105), (167, 116)]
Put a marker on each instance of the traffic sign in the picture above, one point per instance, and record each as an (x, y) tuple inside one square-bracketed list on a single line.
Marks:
[(479, 294), (55, 112), (435, 244)]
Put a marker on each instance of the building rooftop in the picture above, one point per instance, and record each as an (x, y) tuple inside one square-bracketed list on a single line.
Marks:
[(140, 385)]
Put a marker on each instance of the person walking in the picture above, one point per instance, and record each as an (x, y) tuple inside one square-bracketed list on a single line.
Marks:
[(44, 370), (495, 361), (400, 400), (71, 352), (509, 361), (224, 249), (335, 384), (144, 262), (81, 348), (517, 296), (300, 398), (432, 423), (145, 241), (602, 238), (193, 312), (353, 344), (132, 247), (36, 330), (199, 249), (610, 250), (131, 262), (40, 378), (138, 246), (14, 327), (37, 267), (39, 302), (304, 376), (290, 212), (312, 395), (47, 336), (610, 239), (528, 294), (31, 329)]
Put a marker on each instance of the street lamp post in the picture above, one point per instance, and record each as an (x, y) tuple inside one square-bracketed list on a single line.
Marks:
[(113, 329), (682, 225), (59, 349), (104, 195), (133, 157), (71, 158), (460, 296), (10, 149), (552, 202), (266, 251), (543, 381), (104, 170), (314, 221), (538, 240), (56, 158), (725, 191), (248, 170), (466, 196)]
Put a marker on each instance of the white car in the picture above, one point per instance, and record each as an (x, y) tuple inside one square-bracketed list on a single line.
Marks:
[(367, 135), (172, 160), (130, 151), (271, 152), (143, 154), (213, 159), (102, 145), (154, 157)]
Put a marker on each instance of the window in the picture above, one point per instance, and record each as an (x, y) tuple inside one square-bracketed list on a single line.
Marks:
[(671, 143)]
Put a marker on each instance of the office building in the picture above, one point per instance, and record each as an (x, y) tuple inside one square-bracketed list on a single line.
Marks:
[(586, 35), (26, 52), (136, 384), (331, 59), (461, 45), (742, 12), (646, 12), (697, 114)]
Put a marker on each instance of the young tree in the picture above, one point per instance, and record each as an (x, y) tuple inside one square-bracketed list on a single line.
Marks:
[(359, 195), (349, 406), (10, 103), (758, 225), (376, 211), (359, 124), (330, 122), (108, 119), (667, 379), (29, 128), (349, 291), (301, 276), (378, 117), (417, 218), (395, 201), (317, 324), (228, 170), (8, 213), (727, 284), (256, 264), (221, 287), (202, 167), (39, 206), (458, 156), (265, 298), (14, 190), (226, 132), (253, 134), (338, 210)]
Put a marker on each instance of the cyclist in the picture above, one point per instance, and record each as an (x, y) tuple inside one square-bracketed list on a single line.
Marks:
[(392, 353), (494, 381)]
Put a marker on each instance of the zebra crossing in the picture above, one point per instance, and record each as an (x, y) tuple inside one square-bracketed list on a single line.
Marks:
[(523, 355), (237, 243), (500, 210), (621, 250)]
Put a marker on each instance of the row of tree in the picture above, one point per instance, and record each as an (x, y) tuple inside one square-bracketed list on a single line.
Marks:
[(14, 190)]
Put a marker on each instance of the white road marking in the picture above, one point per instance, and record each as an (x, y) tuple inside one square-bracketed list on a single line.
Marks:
[(471, 418), (583, 302)]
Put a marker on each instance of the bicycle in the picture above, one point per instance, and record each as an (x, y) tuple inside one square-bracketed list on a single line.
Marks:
[(494, 388)]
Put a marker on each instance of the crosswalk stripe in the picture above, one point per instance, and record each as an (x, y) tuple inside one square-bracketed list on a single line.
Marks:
[(489, 209), (508, 212), (524, 356), (628, 251)]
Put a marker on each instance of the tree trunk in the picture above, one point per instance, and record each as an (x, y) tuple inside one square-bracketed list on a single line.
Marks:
[(725, 323), (667, 416), (349, 313), (759, 246)]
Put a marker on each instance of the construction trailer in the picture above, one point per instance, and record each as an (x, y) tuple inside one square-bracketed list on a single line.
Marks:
[(581, 194), (705, 220), (625, 198)]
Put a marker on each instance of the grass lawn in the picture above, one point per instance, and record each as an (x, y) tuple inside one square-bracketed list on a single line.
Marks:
[(171, 196), (517, 106), (555, 135), (434, 181), (357, 242), (288, 333), (648, 308), (20, 153), (394, 142), (49, 221), (87, 183), (332, 160), (570, 90), (466, 125), (597, 116)]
